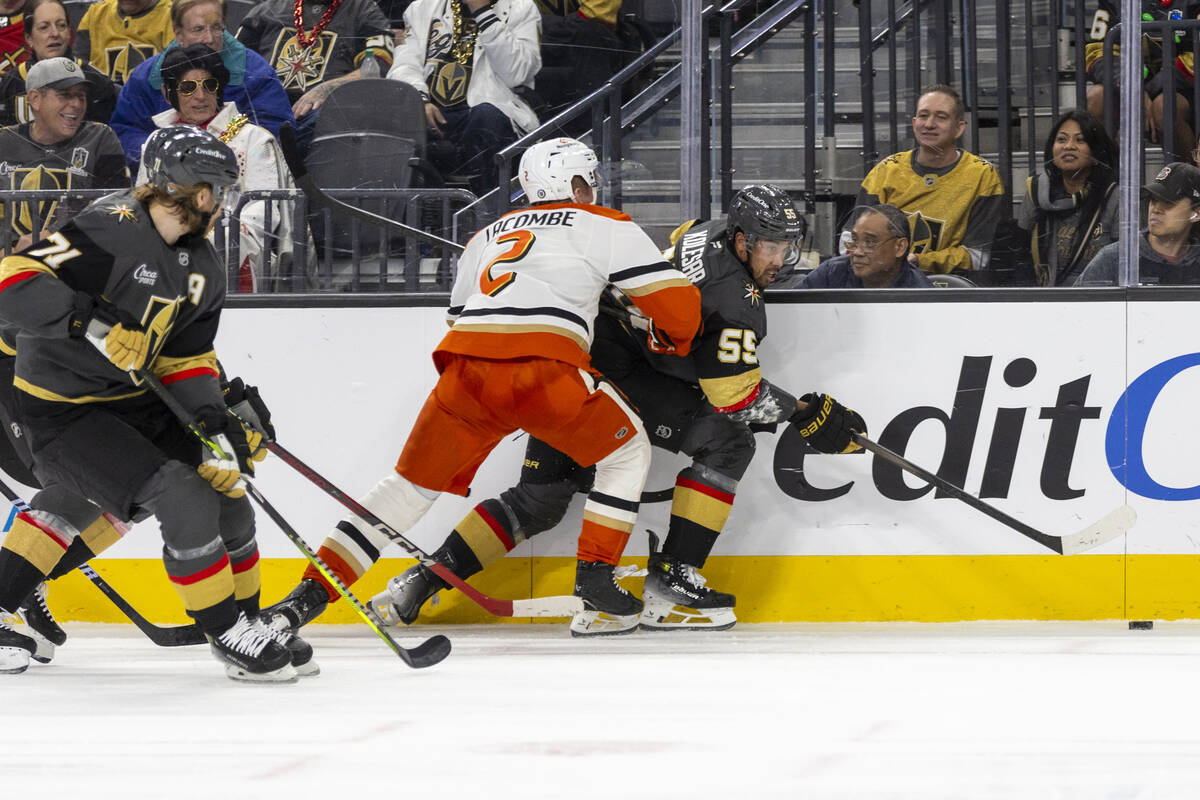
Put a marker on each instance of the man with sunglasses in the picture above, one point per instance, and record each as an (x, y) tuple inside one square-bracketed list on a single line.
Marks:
[(707, 405), (876, 255), (252, 82), (194, 80)]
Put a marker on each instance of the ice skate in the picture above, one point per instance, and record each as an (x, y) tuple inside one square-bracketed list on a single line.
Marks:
[(15, 650), (302, 652), (41, 625), (677, 598), (251, 653), (302, 605), (608, 609), (401, 601)]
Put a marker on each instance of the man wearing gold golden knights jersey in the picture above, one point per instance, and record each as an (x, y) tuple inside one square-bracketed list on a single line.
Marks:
[(952, 198)]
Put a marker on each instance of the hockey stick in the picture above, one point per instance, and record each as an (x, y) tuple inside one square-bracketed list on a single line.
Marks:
[(1103, 530), (291, 154), (169, 636), (426, 654), (556, 606)]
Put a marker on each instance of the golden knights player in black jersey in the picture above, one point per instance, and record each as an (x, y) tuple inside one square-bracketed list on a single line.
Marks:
[(706, 405), (130, 283)]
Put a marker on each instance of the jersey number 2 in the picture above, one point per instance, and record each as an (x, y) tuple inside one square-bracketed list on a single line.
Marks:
[(492, 285)]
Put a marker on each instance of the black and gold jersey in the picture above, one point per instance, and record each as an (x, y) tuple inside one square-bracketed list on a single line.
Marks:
[(91, 159), (356, 30), (724, 357), (116, 44), (952, 211), (112, 251)]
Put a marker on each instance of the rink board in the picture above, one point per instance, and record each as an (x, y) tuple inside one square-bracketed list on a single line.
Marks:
[(1056, 412)]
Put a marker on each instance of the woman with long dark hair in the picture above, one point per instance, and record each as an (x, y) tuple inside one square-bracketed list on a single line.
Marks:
[(1071, 208)]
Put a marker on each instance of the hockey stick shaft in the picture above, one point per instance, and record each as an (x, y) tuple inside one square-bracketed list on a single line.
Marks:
[(1052, 542), (559, 606), (291, 154), (169, 636), (425, 654)]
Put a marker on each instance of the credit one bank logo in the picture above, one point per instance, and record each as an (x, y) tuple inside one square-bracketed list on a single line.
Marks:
[(1124, 433)]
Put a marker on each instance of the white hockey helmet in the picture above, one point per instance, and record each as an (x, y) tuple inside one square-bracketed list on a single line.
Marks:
[(547, 169)]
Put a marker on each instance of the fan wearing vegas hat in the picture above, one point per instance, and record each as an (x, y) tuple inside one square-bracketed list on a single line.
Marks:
[(1168, 253), (56, 149)]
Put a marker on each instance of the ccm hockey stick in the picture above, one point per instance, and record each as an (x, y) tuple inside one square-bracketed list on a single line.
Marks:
[(291, 154), (1105, 529), (426, 654), (557, 606), (163, 636)]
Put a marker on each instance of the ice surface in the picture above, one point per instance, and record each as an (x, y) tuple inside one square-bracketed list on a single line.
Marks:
[(972, 710)]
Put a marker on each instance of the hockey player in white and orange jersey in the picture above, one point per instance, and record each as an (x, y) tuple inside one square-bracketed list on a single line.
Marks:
[(516, 356)]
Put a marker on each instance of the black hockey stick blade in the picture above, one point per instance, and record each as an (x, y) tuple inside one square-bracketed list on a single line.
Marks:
[(1107, 528), (162, 636), (174, 636), (291, 155)]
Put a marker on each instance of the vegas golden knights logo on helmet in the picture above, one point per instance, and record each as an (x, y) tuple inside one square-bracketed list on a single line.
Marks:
[(40, 212), (301, 67)]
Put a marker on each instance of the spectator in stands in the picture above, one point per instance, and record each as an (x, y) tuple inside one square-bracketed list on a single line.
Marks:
[(58, 149), (118, 35), (580, 50), (953, 198), (13, 50), (1071, 208), (339, 41), (467, 58), (1168, 253), (193, 80), (1105, 17), (876, 255), (48, 35), (253, 84)]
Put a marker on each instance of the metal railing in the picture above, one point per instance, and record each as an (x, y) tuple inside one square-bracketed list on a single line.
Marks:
[(327, 253)]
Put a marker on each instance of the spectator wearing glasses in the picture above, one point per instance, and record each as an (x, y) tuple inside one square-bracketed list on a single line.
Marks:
[(252, 84), (876, 255), (48, 35), (953, 198), (194, 80), (57, 150), (1168, 252)]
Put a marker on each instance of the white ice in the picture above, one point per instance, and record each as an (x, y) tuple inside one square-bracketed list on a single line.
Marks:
[(971, 710)]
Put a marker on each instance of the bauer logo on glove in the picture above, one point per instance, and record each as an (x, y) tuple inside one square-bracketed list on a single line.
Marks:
[(826, 424)]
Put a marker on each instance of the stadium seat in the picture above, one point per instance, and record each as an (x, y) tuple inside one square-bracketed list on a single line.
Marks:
[(951, 281), (235, 12), (370, 134), (75, 10)]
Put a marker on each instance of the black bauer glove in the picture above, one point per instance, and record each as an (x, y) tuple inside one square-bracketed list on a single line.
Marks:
[(247, 405), (826, 424)]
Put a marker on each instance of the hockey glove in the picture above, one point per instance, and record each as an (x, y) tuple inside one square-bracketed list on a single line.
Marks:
[(826, 424), (239, 447), (120, 340), (222, 472), (248, 406)]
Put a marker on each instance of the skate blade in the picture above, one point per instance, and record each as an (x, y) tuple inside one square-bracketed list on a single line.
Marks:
[(598, 623), (13, 660), (285, 674), (307, 670), (684, 618)]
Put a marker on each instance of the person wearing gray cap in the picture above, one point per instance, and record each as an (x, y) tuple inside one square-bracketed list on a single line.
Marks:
[(58, 149), (48, 35), (1168, 251)]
